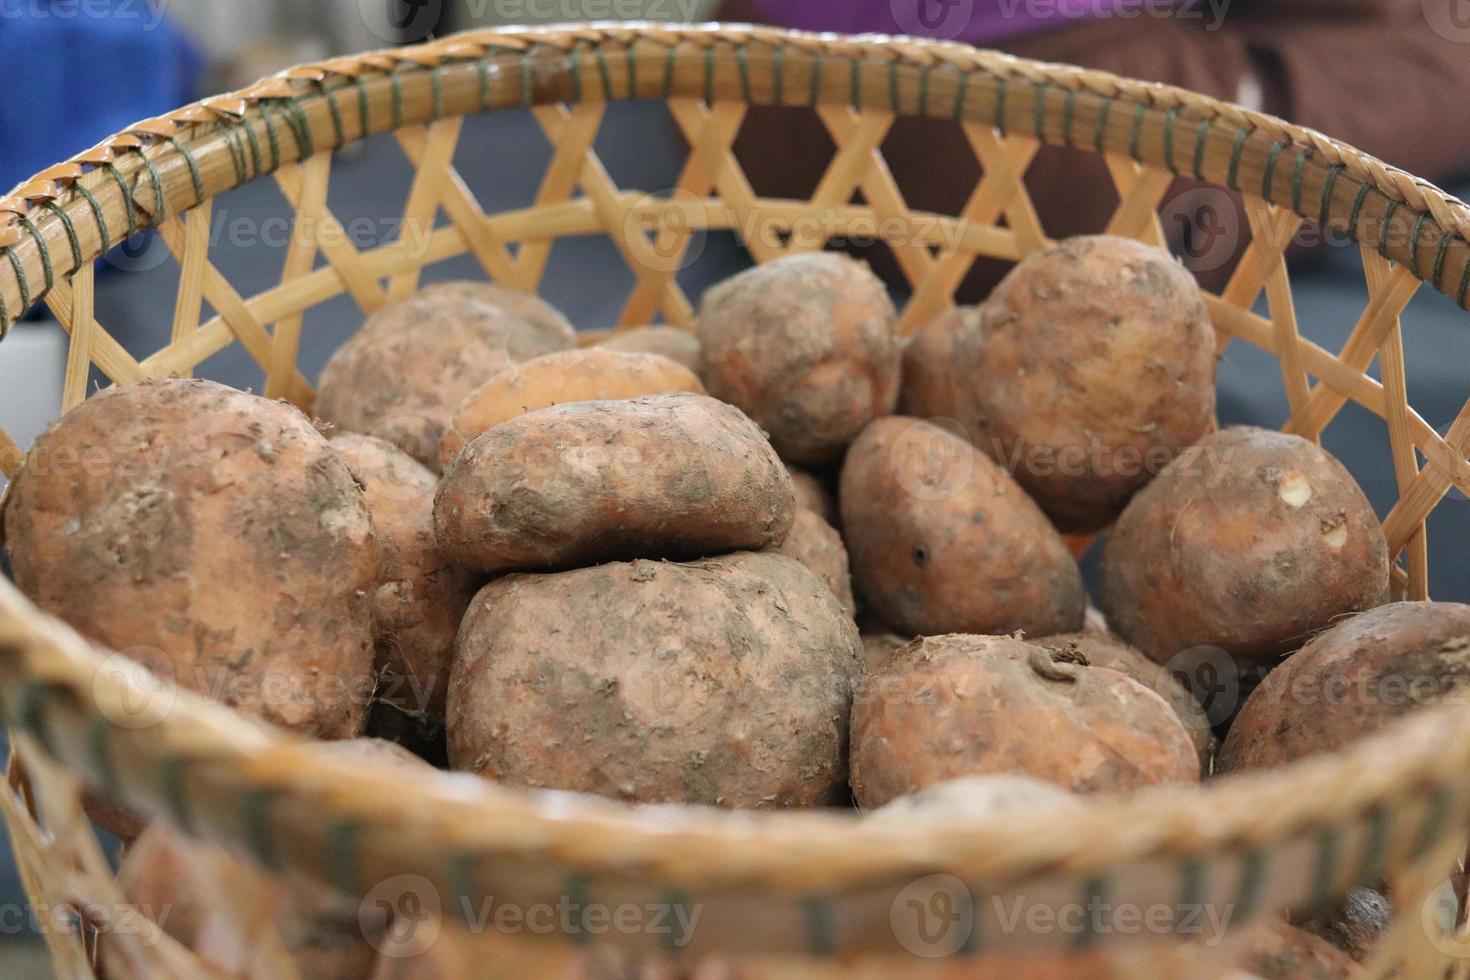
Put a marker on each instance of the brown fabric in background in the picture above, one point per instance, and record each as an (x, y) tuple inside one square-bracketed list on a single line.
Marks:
[(1379, 77)]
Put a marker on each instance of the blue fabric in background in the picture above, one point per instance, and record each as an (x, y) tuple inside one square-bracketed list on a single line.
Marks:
[(77, 71)]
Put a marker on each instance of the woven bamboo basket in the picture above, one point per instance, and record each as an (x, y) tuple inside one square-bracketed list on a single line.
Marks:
[(780, 894)]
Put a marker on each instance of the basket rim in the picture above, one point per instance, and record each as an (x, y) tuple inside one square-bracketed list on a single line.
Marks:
[(58, 697), (50, 225)]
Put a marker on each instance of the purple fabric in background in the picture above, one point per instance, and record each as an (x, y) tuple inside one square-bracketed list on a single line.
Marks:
[(974, 21)]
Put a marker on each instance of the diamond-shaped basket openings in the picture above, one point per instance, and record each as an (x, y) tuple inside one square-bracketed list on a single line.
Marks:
[(856, 195)]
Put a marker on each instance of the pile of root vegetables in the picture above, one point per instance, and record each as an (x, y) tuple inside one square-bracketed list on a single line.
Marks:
[(639, 569)]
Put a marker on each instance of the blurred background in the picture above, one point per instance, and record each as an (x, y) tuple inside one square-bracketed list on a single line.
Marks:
[(1386, 75)]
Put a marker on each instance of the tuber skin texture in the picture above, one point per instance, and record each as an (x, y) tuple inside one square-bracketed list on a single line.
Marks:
[(1250, 542), (212, 535), (1353, 680), (560, 378), (813, 494), (943, 541), (1103, 650), (549, 327), (666, 476), (421, 595), (807, 347), (679, 345), (818, 546), (1090, 367), (726, 681), (402, 375), (950, 706)]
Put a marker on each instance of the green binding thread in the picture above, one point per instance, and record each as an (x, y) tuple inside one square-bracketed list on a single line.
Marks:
[(778, 76), (821, 928), (32, 718), (99, 747), (1357, 211), (1328, 186), (575, 888), (237, 153), (436, 92), (893, 85), (1100, 137), (1191, 891), (1038, 109), (364, 111), (338, 130), (1329, 853), (817, 64), (194, 176), (1297, 171), (1200, 133), (5, 322), (1436, 813), (1393, 206), (342, 855), (45, 251), (669, 72), (482, 72), (1232, 175), (1439, 256), (630, 54), (971, 945), (1464, 285), (1069, 112), (71, 233), (127, 195), (709, 77), (396, 85), (1169, 119), (742, 62), (21, 279), (924, 74), (855, 83), (271, 136), (1001, 85), (462, 886), (1375, 847), (669, 942), (1094, 895), (256, 804), (175, 799), (300, 128), (527, 81), (254, 146), (602, 70), (1252, 877), (962, 91), (1268, 178), (1136, 134), (1414, 243), (160, 203), (99, 215)]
